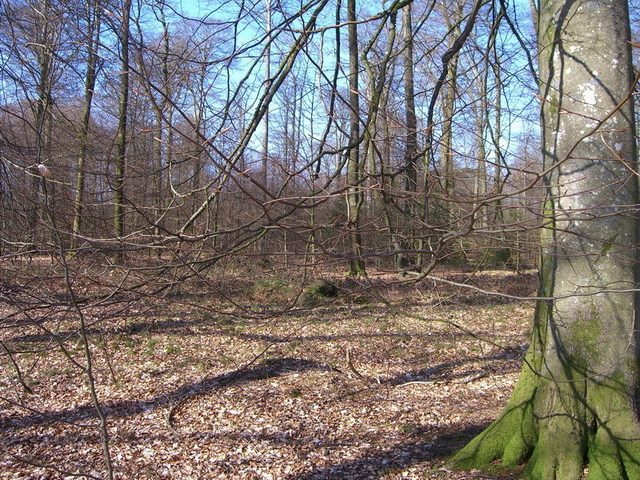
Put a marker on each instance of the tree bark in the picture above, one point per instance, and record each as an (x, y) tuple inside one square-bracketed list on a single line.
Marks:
[(411, 122), (121, 141), (411, 144), (447, 179), (355, 197), (499, 179), (576, 400), (93, 36), (480, 187), (44, 47), (162, 114)]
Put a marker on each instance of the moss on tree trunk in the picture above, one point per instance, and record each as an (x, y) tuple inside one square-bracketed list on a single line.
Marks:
[(562, 423), (575, 404)]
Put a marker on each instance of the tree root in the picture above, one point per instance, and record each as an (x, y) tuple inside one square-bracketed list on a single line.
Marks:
[(562, 432), (511, 437)]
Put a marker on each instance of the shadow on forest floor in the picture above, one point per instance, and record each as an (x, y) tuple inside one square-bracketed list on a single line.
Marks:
[(376, 463), (267, 369), (362, 394)]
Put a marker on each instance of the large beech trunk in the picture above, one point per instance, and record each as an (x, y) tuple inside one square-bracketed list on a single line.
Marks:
[(575, 404)]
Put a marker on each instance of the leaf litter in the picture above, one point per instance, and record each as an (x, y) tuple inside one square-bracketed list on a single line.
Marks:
[(351, 389)]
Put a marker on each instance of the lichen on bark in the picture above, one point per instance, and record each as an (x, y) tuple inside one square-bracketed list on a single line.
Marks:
[(574, 409)]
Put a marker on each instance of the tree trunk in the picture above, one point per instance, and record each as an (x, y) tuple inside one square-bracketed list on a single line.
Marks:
[(411, 145), (263, 243), (159, 142), (93, 36), (576, 399), (267, 82), (121, 141), (480, 187), (448, 110), (44, 47), (354, 194), (499, 179)]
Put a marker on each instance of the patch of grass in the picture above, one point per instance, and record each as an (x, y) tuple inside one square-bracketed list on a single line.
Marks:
[(224, 360), (152, 343), (361, 300), (55, 372), (295, 393), (495, 258), (400, 352), (172, 348), (190, 360), (270, 289), (409, 429), (134, 327), (234, 326), (125, 341)]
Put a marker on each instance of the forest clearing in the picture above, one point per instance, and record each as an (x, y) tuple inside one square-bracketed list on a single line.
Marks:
[(212, 382), (319, 239)]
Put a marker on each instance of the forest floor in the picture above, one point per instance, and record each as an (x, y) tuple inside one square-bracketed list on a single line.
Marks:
[(220, 380)]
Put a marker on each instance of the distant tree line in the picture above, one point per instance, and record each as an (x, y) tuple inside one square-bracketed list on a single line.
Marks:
[(396, 135)]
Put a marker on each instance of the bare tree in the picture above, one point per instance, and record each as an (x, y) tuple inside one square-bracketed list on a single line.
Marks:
[(355, 196), (121, 142), (93, 23), (576, 399)]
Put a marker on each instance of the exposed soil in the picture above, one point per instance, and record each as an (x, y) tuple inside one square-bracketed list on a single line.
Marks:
[(219, 381)]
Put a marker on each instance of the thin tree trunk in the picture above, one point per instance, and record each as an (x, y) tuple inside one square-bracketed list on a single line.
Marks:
[(263, 244), (159, 145), (267, 76), (44, 49), (93, 36), (385, 194), (355, 197), (121, 141), (480, 188), (447, 179), (411, 122), (496, 135), (411, 143)]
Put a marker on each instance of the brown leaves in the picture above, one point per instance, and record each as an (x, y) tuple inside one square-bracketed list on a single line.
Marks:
[(192, 396)]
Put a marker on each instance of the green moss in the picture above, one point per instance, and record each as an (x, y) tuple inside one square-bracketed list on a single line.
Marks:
[(356, 269), (318, 292), (604, 461), (614, 451), (172, 348), (495, 258), (54, 372), (323, 288), (576, 421), (295, 393), (269, 287), (152, 343), (409, 429), (585, 332), (562, 431), (511, 437), (553, 106), (556, 459)]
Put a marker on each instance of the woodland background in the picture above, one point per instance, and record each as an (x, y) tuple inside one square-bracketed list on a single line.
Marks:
[(263, 239)]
